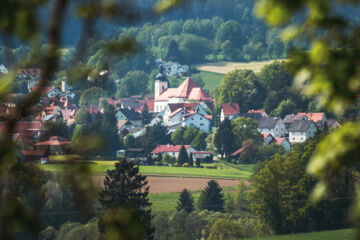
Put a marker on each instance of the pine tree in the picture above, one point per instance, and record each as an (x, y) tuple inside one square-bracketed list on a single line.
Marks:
[(211, 197), (186, 201), (224, 138), (125, 188), (191, 160), (183, 156)]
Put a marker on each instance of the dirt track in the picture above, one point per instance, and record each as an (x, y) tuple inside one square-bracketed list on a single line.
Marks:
[(176, 184)]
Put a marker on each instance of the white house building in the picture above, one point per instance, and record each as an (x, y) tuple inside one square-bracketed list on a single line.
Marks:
[(272, 125), (301, 130), (172, 150), (202, 122), (229, 111)]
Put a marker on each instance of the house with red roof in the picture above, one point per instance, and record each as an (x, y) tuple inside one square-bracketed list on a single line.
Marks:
[(259, 111), (56, 145), (315, 117), (175, 111), (172, 150), (284, 143), (229, 111), (188, 91), (268, 138)]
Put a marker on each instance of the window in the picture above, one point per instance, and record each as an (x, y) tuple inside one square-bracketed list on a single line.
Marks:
[(293, 138), (192, 118), (301, 138), (201, 124), (201, 118)]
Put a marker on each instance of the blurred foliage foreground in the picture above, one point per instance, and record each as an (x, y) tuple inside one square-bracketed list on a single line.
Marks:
[(26, 192), (330, 70)]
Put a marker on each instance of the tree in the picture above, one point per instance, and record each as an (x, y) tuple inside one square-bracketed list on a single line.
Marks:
[(191, 160), (82, 116), (243, 87), (129, 141), (108, 131), (168, 159), (177, 137), (125, 187), (225, 229), (224, 138), (185, 202), (231, 30), (274, 76), (134, 83), (199, 141), (211, 198), (246, 128), (91, 96), (183, 156), (154, 135), (285, 107), (250, 152), (189, 134)]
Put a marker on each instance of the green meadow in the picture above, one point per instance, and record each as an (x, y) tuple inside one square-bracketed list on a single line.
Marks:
[(343, 234), (212, 80), (215, 170)]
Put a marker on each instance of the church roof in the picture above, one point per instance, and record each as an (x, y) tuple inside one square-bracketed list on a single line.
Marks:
[(188, 89)]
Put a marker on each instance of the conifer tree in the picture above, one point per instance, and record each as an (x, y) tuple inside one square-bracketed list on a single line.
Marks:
[(191, 160), (186, 201), (211, 198), (126, 188), (183, 156)]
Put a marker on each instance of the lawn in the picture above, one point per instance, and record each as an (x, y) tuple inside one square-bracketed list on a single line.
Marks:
[(222, 170), (211, 79), (326, 235), (167, 202)]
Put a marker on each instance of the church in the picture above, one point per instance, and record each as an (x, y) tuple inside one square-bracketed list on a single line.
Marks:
[(188, 91)]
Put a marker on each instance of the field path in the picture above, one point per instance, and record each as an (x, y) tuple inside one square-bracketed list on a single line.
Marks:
[(166, 184)]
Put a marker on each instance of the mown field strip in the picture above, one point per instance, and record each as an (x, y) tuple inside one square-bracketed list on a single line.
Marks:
[(344, 234)]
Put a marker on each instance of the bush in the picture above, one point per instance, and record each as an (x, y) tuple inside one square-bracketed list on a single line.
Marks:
[(185, 165)]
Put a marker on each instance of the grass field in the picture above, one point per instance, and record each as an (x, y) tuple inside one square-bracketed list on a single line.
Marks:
[(225, 67), (221, 171), (167, 202), (344, 234), (211, 79)]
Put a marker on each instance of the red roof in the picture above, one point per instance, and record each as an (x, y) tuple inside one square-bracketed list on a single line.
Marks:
[(188, 89), (279, 140), (265, 135), (315, 117), (230, 108), (32, 152), (168, 148), (54, 141), (256, 111), (21, 126), (237, 152)]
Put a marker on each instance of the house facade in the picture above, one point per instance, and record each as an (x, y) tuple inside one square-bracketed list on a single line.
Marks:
[(129, 115), (284, 143), (229, 111), (272, 125), (197, 120), (301, 130), (172, 150)]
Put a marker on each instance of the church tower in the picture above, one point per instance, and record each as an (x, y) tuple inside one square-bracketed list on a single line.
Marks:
[(161, 83)]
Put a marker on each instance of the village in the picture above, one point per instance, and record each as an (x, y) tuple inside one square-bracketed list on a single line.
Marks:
[(186, 106)]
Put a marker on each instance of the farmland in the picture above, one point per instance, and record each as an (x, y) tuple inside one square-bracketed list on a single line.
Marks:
[(226, 67), (326, 235), (220, 171)]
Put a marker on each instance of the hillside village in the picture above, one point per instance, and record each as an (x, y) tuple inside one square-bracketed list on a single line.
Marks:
[(183, 107)]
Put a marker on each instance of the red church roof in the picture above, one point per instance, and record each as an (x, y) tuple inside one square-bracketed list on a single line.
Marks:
[(168, 148), (188, 89), (230, 108)]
